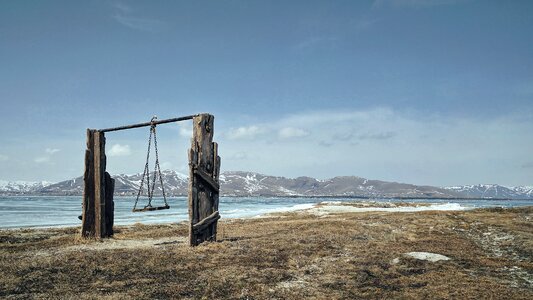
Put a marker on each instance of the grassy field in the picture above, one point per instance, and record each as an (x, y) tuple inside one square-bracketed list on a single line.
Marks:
[(289, 256)]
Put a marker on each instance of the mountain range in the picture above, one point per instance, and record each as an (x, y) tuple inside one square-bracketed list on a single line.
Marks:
[(238, 183)]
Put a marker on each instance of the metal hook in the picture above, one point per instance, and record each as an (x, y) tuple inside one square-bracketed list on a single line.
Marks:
[(152, 122)]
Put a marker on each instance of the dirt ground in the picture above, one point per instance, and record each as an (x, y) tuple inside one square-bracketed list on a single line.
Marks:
[(354, 255)]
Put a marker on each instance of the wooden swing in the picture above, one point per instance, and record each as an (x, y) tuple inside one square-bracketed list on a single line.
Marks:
[(146, 174)]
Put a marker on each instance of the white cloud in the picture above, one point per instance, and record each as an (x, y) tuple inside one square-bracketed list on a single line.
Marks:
[(4, 157), (143, 24), (291, 132), (52, 151), (386, 144), (250, 132), (185, 129), (124, 16), (47, 157), (120, 150), (42, 159)]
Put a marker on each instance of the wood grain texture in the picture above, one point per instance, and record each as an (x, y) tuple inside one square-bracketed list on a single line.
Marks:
[(87, 227), (208, 221), (204, 168), (98, 205), (99, 184)]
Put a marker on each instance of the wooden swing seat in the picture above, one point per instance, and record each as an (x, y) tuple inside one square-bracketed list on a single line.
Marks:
[(150, 208)]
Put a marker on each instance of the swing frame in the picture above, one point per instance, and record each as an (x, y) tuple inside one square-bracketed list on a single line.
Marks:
[(203, 188)]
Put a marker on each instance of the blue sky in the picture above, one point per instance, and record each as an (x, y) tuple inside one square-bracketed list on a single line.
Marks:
[(428, 92)]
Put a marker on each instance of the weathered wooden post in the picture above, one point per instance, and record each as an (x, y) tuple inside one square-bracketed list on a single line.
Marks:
[(98, 205), (204, 168)]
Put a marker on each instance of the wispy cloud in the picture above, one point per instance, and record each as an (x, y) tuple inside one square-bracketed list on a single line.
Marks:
[(120, 150), (47, 157), (125, 15), (4, 157), (42, 159), (245, 132), (364, 23), (292, 132), (414, 3), (377, 136), (185, 129), (122, 7), (51, 151), (143, 24), (386, 144)]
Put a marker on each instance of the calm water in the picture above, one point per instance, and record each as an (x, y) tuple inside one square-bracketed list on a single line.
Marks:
[(64, 211)]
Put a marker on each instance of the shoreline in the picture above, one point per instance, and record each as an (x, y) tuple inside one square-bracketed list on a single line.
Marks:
[(297, 197), (316, 208)]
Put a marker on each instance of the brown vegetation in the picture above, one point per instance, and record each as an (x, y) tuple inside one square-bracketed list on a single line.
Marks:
[(290, 256)]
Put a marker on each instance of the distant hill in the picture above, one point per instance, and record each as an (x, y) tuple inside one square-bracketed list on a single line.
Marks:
[(253, 184), (22, 187), (493, 191)]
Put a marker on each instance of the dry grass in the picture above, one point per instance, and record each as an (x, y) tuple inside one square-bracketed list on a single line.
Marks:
[(344, 256)]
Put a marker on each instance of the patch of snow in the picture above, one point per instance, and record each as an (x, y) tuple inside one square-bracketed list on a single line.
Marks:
[(331, 202), (287, 191), (432, 257), (327, 209), (222, 178), (288, 209)]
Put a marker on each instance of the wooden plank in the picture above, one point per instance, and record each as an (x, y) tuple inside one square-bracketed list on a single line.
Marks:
[(216, 176), (192, 194), (151, 208), (208, 179), (99, 185), (206, 222)]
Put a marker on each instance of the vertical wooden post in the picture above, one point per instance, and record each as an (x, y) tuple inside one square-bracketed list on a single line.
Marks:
[(109, 204), (204, 168), (97, 214), (87, 215)]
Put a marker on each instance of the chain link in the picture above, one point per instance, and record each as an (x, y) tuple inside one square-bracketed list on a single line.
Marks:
[(157, 167), (146, 173)]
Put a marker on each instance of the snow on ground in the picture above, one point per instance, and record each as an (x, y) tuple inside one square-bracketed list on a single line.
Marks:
[(329, 209), (432, 257)]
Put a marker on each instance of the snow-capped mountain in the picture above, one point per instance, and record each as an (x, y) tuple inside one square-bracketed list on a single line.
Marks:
[(175, 184), (493, 191), (255, 184), (20, 187)]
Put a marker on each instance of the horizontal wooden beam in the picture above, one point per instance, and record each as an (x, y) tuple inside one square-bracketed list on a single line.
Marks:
[(207, 178), (200, 226), (149, 123)]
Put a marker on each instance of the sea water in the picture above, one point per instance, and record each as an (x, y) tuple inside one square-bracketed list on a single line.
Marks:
[(40, 211)]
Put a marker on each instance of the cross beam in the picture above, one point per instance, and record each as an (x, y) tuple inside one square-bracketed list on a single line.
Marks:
[(145, 124)]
